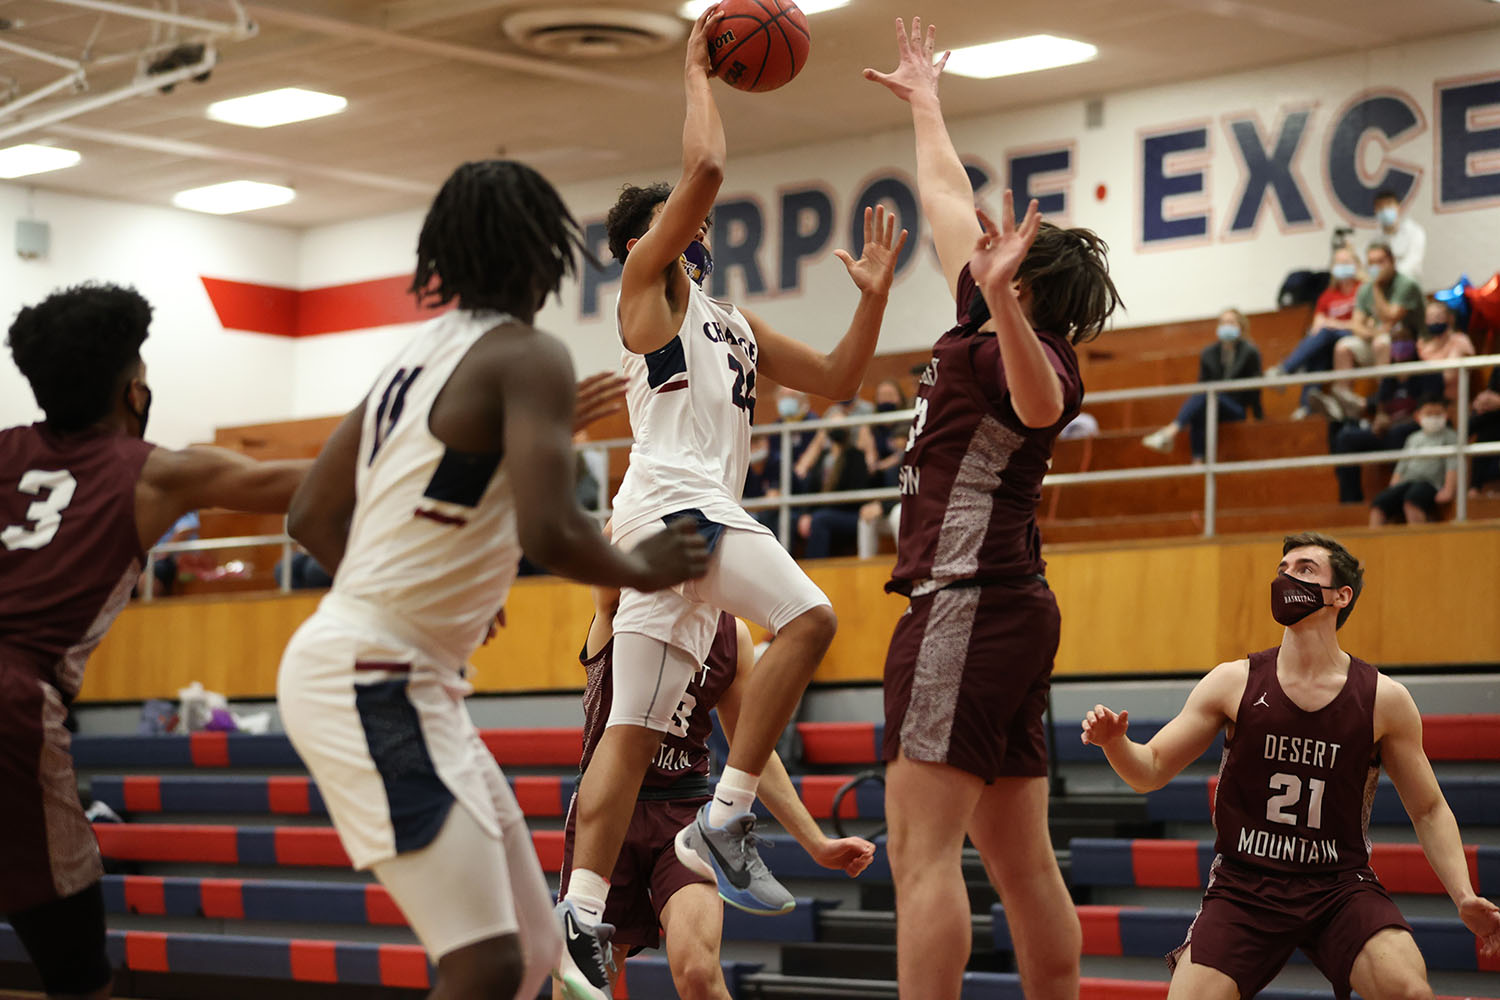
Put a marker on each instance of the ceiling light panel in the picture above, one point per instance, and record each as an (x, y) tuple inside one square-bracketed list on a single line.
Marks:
[(1019, 55), (233, 196), (27, 159), (276, 107)]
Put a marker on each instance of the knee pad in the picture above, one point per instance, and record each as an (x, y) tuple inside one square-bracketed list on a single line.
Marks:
[(650, 677)]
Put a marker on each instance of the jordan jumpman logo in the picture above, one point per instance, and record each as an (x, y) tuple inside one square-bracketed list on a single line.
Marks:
[(1261, 702)]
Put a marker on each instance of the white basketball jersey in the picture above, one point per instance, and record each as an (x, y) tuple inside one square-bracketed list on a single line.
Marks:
[(433, 543), (691, 403)]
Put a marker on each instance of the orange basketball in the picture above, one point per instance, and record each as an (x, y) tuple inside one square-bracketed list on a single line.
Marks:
[(759, 45)]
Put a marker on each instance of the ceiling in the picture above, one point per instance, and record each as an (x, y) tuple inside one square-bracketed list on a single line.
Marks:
[(432, 83)]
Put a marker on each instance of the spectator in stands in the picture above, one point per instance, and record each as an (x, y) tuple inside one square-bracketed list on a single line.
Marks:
[(882, 457), (791, 406), (1439, 341), (1420, 484), (1333, 319), (1387, 302), (165, 567), (835, 465), (1232, 357), (1407, 240), (1390, 418), (1484, 423)]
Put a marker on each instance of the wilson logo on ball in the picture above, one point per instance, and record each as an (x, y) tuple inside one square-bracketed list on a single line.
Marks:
[(761, 45)]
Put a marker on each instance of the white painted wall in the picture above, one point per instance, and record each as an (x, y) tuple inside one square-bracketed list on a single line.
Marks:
[(206, 377), (202, 376)]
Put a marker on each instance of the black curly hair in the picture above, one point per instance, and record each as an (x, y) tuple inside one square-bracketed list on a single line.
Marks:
[(497, 236), (79, 348), (631, 215)]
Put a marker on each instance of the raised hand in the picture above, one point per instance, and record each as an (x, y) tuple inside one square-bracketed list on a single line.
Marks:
[(999, 252), (1102, 727), (599, 396), (915, 75), (697, 44), (1483, 918), (876, 267), (851, 854)]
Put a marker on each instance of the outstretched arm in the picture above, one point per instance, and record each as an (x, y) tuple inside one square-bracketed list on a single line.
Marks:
[(645, 315), (174, 482), (1399, 727), (837, 374), (942, 182), (1036, 391), (1147, 767), (851, 854)]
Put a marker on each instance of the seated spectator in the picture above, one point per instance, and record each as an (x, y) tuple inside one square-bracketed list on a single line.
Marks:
[(1386, 301), (1333, 319), (836, 466), (1439, 341), (1407, 240), (1420, 484), (1390, 418), (1232, 357), (1484, 424), (883, 458)]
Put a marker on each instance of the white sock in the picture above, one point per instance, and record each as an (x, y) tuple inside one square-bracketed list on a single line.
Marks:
[(587, 891), (734, 795)]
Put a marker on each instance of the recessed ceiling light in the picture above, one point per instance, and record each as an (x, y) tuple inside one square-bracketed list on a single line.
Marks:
[(1019, 55), (26, 159), (233, 196), (693, 8), (276, 107)]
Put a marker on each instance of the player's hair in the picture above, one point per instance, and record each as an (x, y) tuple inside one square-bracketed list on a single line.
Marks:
[(1347, 570), (1385, 194), (497, 236), (78, 348), (1067, 271), (631, 215)]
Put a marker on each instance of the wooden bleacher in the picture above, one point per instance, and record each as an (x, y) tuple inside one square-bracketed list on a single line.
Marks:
[(1160, 354)]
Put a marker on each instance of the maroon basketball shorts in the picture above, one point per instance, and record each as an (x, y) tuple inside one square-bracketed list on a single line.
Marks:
[(967, 678), (47, 848), (647, 873), (1252, 920)]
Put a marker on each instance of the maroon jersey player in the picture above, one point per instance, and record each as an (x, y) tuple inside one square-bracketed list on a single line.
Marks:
[(1308, 728), (82, 496), (967, 675), (650, 889)]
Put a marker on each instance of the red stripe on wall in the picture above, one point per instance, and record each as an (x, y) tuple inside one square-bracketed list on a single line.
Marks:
[(287, 312)]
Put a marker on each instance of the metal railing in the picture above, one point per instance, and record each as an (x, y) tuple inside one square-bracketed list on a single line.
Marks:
[(1211, 468)]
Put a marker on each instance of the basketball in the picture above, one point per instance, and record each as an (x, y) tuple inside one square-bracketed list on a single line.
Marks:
[(759, 45)]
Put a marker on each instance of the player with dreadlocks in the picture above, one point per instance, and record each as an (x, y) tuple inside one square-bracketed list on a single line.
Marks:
[(421, 504), (82, 496)]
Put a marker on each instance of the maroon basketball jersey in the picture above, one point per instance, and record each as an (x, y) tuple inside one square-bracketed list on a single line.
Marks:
[(70, 551), (1295, 787), (680, 767), (973, 471)]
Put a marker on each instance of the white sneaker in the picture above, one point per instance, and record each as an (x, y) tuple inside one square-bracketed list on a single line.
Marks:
[(1321, 402), (1352, 402), (1161, 441)]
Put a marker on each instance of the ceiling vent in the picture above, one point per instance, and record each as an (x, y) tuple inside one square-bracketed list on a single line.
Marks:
[(593, 32)]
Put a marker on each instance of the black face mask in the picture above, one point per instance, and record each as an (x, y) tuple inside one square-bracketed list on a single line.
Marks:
[(1436, 329), (886, 407), (1293, 600), (144, 413)]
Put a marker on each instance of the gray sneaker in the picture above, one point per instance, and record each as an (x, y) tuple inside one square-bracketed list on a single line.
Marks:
[(728, 857), (587, 963)]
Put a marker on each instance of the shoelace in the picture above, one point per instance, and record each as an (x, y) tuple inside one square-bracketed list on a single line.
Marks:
[(748, 845)]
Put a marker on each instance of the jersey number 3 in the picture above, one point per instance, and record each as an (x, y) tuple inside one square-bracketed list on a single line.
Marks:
[(44, 516)]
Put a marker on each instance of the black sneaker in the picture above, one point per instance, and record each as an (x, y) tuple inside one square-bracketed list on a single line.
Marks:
[(587, 964)]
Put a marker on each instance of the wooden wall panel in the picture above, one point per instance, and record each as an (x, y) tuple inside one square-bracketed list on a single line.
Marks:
[(1128, 609)]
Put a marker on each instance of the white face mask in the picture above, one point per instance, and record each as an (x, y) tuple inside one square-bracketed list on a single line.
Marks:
[(1387, 216), (1433, 425)]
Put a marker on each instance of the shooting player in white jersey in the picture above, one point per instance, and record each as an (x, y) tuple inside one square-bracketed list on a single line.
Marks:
[(691, 361)]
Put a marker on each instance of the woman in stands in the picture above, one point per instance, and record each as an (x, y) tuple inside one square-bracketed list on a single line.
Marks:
[(970, 664), (1231, 356)]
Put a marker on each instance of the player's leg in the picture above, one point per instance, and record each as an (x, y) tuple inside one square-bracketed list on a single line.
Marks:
[(456, 895), (1009, 827), (1199, 982), (754, 578), (693, 918), (1390, 967), (541, 939), (928, 806)]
